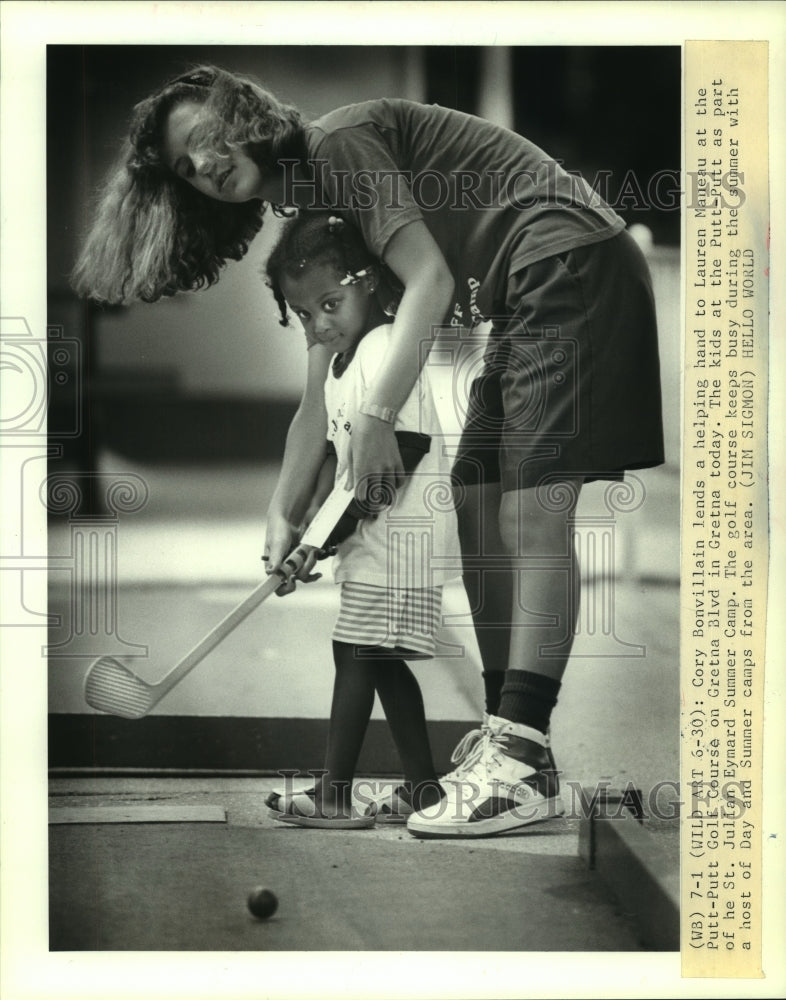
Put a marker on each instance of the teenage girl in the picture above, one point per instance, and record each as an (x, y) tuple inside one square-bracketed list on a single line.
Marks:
[(476, 223)]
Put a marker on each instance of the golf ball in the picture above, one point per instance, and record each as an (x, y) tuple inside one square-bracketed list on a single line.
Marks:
[(262, 903)]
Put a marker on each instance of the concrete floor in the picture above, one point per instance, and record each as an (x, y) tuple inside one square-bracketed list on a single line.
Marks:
[(182, 886)]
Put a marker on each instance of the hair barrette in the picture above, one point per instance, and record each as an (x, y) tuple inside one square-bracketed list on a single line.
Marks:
[(353, 279)]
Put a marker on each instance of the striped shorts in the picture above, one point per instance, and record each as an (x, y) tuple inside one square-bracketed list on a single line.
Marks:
[(401, 621)]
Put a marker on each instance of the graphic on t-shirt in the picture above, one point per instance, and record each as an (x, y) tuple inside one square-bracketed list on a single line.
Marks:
[(337, 421), (476, 316)]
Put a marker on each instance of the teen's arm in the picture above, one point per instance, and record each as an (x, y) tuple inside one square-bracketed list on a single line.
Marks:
[(324, 485), (414, 257), (303, 458), (326, 480)]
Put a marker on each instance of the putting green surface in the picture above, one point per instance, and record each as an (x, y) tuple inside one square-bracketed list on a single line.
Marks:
[(180, 886)]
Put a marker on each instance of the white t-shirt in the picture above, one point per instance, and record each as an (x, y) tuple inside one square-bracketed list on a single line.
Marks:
[(413, 543)]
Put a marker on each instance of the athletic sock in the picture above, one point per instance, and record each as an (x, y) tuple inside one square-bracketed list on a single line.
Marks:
[(493, 681), (528, 699)]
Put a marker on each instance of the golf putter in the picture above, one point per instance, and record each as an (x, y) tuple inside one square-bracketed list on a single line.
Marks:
[(111, 687)]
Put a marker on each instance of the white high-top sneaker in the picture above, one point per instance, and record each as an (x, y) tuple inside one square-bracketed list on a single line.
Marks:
[(507, 781)]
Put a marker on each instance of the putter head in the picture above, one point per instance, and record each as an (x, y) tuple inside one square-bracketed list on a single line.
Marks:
[(111, 687)]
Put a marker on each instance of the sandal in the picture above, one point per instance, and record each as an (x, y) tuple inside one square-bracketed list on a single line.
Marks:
[(390, 806), (302, 811), (281, 800)]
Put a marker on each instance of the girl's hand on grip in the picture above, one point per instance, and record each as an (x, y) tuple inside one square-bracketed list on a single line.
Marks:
[(281, 538)]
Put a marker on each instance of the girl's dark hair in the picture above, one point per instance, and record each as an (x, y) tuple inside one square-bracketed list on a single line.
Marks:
[(323, 238), (154, 235)]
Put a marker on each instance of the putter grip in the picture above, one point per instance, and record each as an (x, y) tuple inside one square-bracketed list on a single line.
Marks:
[(412, 447), (294, 561)]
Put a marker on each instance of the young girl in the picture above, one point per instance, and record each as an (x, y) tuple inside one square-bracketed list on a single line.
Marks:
[(475, 222), (390, 586)]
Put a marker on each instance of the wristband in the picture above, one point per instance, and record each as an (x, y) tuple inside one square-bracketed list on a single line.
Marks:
[(385, 413)]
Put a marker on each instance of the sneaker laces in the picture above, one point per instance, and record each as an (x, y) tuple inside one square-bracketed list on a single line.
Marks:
[(481, 747), (470, 748), (478, 751), (466, 748), (496, 747)]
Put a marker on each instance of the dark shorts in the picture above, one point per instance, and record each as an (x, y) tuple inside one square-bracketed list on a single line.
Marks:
[(570, 384)]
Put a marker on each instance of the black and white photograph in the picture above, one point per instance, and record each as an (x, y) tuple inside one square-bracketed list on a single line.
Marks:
[(346, 530)]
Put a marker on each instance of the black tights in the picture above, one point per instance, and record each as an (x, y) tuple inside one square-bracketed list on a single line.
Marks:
[(360, 674)]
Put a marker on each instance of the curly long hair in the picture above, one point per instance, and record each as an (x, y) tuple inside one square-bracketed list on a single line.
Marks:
[(152, 234), (321, 238)]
